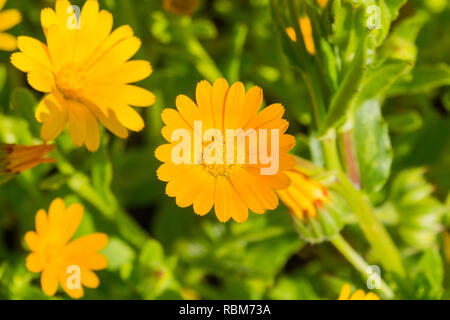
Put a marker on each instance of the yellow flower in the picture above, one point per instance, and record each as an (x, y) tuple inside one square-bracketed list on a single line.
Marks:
[(181, 7), (86, 73), (15, 159), (306, 29), (8, 19), (322, 3), (303, 195), (231, 188), (357, 295), (69, 263)]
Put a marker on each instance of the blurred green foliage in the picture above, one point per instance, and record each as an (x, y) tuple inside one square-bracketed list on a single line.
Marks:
[(159, 251)]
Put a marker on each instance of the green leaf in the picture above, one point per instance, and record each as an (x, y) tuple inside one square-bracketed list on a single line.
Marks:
[(372, 145), (118, 253), (24, 104), (401, 42), (378, 81), (394, 7), (348, 89), (428, 278), (423, 79)]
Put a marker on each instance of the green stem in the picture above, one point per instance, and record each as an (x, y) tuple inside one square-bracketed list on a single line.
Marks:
[(358, 262), (374, 231), (80, 184), (316, 97), (203, 62), (330, 150)]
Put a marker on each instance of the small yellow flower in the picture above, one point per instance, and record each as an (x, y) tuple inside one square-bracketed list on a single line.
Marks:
[(322, 3), (306, 29), (85, 71), (15, 159), (8, 19), (357, 295), (69, 263), (181, 7), (230, 187), (304, 195)]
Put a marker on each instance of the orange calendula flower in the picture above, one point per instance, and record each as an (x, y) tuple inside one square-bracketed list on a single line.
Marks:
[(219, 173), (69, 263), (304, 195), (181, 7), (306, 29), (85, 71), (8, 19), (15, 159), (357, 295)]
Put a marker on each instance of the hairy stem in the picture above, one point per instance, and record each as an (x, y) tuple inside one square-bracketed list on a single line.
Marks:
[(358, 263)]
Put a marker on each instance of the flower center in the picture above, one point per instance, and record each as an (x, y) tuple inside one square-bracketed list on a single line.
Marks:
[(71, 80), (219, 169)]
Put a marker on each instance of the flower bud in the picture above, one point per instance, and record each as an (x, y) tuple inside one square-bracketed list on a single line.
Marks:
[(15, 159), (318, 213)]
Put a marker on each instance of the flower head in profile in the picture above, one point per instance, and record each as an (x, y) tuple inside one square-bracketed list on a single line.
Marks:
[(181, 7), (239, 154), (60, 260), (304, 195), (357, 295), (85, 70), (307, 34), (15, 159), (8, 19)]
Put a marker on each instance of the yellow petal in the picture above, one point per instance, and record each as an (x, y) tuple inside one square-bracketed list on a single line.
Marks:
[(272, 112), (88, 243), (234, 106), (187, 109), (92, 132), (164, 153), (56, 213), (33, 263), (41, 80), (253, 101), (71, 221), (219, 92), (205, 199), (90, 260), (358, 295), (32, 240), (222, 205), (203, 96), (129, 118), (7, 42), (345, 292), (36, 50), (24, 63), (54, 117), (117, 55), (128, 72), (48, 18), (41, 222), (9, 18), (372, 296), (49, 282), (89, 278), (107, 117), (56, 46), (77, 122), (168, 171)]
